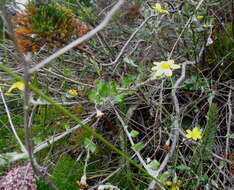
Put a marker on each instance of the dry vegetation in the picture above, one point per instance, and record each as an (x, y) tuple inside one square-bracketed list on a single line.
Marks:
[(110, 94)]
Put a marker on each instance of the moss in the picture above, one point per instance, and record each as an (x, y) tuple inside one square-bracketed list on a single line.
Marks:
[(67, 172)]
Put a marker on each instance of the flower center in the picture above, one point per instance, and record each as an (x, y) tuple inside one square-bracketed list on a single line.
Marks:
[(165, 66)]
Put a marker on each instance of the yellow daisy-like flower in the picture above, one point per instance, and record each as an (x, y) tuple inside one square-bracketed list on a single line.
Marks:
[(174, 186), (157, 7), (195, 134), (73, 92), (17, 85), (164, 68)]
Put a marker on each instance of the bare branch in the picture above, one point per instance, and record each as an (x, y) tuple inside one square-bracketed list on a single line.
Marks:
[(175, 127)]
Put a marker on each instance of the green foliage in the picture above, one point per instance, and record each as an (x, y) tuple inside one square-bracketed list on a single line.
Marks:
[(42, 186), (182, 167), (48, 19), (151, 108), (66, 172), (208, 137), (84, 9), (109, 90), (88, 143), (138, 146), (126, 179), (154, 164), (203, 151), (164, 176), (224, 43), (195, 82), (8, 140), (44, 119), (134, 133), (40, 25), (86, 3)]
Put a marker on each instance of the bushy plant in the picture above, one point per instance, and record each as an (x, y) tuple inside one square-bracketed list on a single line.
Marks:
[(37, 26)]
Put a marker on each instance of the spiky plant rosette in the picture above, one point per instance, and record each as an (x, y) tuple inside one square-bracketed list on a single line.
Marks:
[(52, 25)]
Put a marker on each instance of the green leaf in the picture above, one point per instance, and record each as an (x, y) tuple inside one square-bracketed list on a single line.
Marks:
[(129, 61), (37, 140), (90, 145), (154, 164), (66, 126), (203, 178), (131, 92), (102, 88), (182, 167), (80, 87), (164, 176), (128, 80), (36, 81), (112, 88), (119, 98), (66, 172), (137, 147), (93, 96), (134, 133)]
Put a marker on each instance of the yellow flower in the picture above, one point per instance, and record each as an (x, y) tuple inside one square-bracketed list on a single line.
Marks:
[(17, 85), (73, 92), (174, 186), (195, 134), (157, 7), (164, 68)]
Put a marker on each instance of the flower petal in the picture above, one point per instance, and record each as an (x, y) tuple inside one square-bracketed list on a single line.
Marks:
[(169, 183), (157, 63), (159, 73), (17, 85), (158, 6), (171, 61), (168, 72), (175, 66), (188, 131), (73, 92), (155, 68), (195, 134)]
